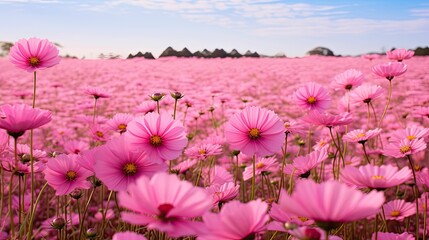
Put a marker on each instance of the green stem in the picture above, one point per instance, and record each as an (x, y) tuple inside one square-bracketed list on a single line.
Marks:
[(366, 155), (252, 194), (95, 111), (387, 104), (336, 146), (282, 174), (416, 195), (84, 213), (12, 225), (175, 107)]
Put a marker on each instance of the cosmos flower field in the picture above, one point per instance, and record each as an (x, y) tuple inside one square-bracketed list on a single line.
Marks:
[(270, 148)]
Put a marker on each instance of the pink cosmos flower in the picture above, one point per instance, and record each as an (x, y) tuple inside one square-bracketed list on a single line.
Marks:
[(217, 175), (236, 220), (347, 80), (75, 146), (392, 236), (255, 131), (146, 107), (87, 158), (204, 151), (302, 165), (390, 70), (19, 118), (404, 147), (327, 119), (331, 203), (117, 167), (409, 133), (361, 136), (375, 177), (310, 233), (294, 127), (399, 54), (282, 216), (165, 203), (261, 165), (33, 54), (119, 122), (99, 133), (184, 166), (159, 136), (313, 96), (64, 175), (128, 236), (96, 92), (399, 209), (366, 93), (223, 193)]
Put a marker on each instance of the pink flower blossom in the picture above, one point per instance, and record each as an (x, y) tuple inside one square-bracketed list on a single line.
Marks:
[(19, 118), (117, 167), (64, 175), (399, 54), (313, 96), (331, 203), (399, 209), (366, 93), (159, 136), (165, 203), (302, 165), (128, 236), (327, 119), (361, 136), (119, 122), (409, 133), (96, 92), (347, 80), (375, 177), (203, 151), (223, 193), (404, 148), (236, 220), (390, 70), (34, 54), (392, 236), (255, 131), (262, 165)]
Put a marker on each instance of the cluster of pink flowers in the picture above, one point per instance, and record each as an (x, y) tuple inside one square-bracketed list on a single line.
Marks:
[(255, 153)]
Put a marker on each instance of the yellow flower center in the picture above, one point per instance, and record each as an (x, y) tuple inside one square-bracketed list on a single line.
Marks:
[(99, 134), (254, 133), (202, 151), (405, 149), (411, 137), (360, 135), (122, 127), (311, 100), (395, 213), (155, 140), (260, 165), (303, 219), (34, 61), (378, 177), (129, 169), (71, 175)]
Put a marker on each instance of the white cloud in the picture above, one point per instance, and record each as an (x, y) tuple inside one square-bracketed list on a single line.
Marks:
[(422, 12), (27, 1), (272, 17)]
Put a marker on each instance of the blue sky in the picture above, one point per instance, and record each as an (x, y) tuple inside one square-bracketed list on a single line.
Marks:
[(87, 28)]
